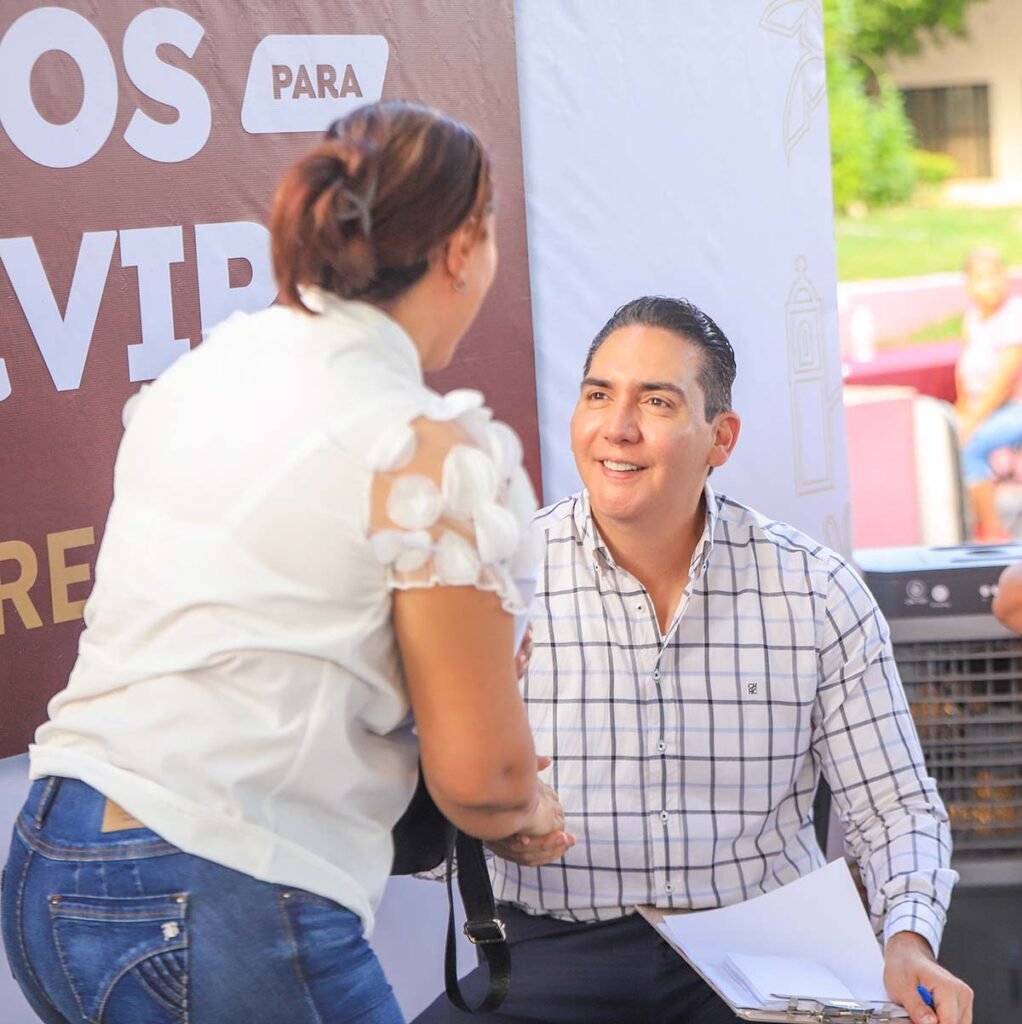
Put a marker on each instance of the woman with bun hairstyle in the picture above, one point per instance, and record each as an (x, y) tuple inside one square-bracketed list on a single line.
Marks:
[(307, 552)]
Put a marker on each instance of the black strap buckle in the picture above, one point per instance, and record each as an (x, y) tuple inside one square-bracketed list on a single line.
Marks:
[(482, 928), (484, 932)]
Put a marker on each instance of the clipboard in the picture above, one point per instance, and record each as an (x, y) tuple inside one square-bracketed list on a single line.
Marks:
[(799, 1009)]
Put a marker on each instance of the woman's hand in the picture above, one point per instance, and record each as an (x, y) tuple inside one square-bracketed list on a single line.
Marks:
[(548, 816), (533, 851), (909, 963), (533, 848), (543, 840)]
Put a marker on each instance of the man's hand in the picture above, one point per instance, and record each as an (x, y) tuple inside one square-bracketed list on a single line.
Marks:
[(908, 963), (533, 851), (524, 654)]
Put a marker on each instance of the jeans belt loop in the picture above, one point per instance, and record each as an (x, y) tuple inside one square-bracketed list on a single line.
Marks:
[(46, 802)]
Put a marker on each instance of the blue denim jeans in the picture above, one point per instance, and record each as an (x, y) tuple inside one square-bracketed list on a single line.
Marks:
[(1001, 429), (123, 928)]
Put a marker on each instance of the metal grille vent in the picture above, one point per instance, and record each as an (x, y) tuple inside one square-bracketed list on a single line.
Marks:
[(966, 698)]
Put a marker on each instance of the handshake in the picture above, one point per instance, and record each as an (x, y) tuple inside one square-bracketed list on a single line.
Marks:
[(544, 839)]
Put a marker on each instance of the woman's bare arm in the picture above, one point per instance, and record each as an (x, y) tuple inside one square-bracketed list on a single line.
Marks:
[(477, 752)]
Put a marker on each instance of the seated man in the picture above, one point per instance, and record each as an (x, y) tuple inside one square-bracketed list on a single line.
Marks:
[(695, 667)]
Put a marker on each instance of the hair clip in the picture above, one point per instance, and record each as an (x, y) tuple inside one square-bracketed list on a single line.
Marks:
[(362, 206)]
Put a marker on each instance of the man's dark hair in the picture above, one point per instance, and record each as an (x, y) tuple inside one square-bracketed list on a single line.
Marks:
[(688, 321)]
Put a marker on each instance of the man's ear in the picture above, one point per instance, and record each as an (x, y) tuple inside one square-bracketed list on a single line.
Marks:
[(726, 428)]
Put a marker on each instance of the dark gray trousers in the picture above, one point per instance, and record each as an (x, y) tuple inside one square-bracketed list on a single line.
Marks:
[(611, 972)]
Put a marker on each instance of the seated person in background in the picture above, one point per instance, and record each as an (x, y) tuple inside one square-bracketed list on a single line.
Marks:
[(989, 405), (695, 667)]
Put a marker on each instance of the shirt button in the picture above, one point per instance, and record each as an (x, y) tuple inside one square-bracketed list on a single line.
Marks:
[(668, 887), (661, 746), (664, 816), (656, 673)]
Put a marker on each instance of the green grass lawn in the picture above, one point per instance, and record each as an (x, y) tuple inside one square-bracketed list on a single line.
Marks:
[(907, 240)]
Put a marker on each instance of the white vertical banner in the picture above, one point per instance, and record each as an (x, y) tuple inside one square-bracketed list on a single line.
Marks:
[(682, 149)]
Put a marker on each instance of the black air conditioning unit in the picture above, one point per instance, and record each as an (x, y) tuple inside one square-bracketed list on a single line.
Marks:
[(962, 673)]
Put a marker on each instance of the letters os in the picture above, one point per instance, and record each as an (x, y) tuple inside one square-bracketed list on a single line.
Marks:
[(67, 145)]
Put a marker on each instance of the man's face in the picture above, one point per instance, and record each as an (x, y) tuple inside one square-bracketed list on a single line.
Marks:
[(639, 432)]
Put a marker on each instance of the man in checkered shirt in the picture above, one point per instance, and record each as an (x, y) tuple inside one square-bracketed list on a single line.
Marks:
[(695, 667)]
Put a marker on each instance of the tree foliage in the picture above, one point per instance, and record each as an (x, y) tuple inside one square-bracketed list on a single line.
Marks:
[(872, 142), (884, 27)]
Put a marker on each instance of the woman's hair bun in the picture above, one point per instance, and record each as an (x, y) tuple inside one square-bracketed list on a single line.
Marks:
[(362, 213)]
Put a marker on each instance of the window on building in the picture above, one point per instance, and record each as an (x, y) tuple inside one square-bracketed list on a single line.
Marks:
[(954, 120)]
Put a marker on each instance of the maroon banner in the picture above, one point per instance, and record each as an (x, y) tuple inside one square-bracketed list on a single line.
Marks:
[(139, 150)]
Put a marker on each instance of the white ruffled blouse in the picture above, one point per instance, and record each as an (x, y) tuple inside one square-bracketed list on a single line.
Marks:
[(238, 686)]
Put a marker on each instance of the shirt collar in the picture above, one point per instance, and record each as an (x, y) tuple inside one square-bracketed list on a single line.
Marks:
[(390, 341), (597, 552), (701, 554)]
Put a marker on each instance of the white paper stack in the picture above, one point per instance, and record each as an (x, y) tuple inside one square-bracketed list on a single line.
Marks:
[(774, 979), (809, 939)]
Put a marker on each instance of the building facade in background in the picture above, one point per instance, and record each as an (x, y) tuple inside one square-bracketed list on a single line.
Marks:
[(964, 96)]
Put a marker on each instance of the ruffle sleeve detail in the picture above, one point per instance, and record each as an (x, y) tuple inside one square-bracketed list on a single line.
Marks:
[(415, 502), (452, 504), (458, 564)]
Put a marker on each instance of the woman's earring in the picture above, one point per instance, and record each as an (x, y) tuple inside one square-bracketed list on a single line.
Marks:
[(460, 285)]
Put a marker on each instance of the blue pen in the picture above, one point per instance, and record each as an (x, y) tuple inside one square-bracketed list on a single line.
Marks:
[(925, 995)]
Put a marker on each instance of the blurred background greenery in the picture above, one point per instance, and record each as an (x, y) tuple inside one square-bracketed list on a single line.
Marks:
[(892, 218), (874, 155)]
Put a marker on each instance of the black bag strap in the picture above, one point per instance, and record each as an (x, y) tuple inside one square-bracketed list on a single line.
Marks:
[(482, 926)]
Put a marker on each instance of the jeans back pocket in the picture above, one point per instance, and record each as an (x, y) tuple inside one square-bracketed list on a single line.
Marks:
[(125, 958)]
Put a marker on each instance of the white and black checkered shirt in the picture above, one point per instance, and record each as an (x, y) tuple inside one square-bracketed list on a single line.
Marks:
[(687, 763)]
